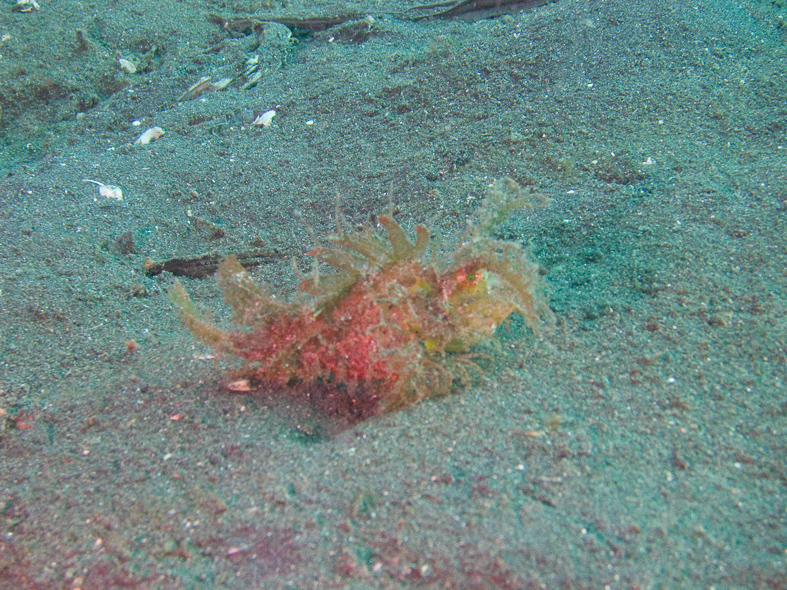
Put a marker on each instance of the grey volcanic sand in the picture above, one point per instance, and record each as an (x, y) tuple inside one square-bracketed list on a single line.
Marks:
[(640, 444)]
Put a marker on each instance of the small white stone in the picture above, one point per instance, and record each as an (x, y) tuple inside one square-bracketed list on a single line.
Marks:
[(150, 135), (265, 119), (127, 66)]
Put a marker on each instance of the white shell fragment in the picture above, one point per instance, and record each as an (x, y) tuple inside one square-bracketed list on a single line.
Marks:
[(265, 119), (150, 135), (127, 66), (204, 85), (26, 6), (240, 385), (109, 191), (222, 84), (253, 79)]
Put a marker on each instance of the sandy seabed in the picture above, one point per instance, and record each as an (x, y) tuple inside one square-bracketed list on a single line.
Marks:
[(640, 444)]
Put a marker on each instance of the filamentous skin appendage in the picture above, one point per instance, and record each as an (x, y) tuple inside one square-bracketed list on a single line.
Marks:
[(386, 328)]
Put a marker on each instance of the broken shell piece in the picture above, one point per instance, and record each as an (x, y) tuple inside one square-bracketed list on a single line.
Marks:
[(264, 119), (222, 84), (204, 85), (109, 191), (127, 66), (239, 385), (255, 77), (150, 135), (197, 88), (26, 6)]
